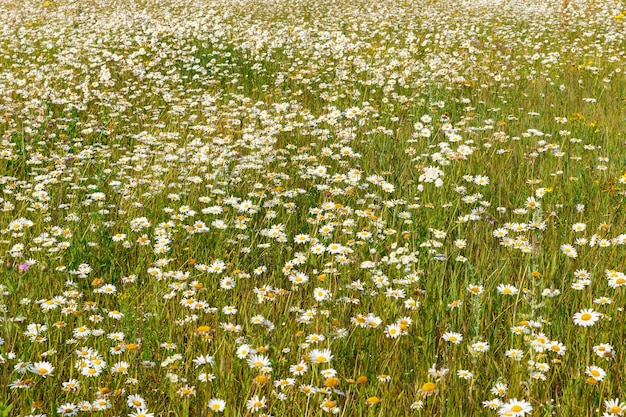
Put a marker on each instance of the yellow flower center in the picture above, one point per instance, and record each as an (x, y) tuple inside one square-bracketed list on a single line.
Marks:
[(331, 382), (616, 409), (428, 387), (203, 329), (261, 379), (585, 317), (516, 408)]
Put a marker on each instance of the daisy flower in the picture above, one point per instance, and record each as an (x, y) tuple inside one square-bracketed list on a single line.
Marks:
[(595, 372), (417, 405), (258, 361), (452, 337), (569, 251), (556, 347), (427, 389), (515, 354), (480, 346), (614, 406), (255, 403), (515, 408), (320, 355), (371, 401), (142, 412), (42, 368), (465, 374), (586, 318), (604, 350), (67, 409), (500, 389), (393, 330), (507, 289), (298, 369), (492, 404), (135, 401), (216, 405)]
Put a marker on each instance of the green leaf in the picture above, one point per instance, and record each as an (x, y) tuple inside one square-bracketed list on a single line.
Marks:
[(5, 410)]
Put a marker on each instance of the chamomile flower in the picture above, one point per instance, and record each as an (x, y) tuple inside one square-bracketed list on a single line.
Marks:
[(44, 369), (515, 408), (136, 401), (595, 372), (464, 374), (393, 331), (452, 337), (244, 350), (615, 406), (480, 346), (256, 403), (216, 405), (320, 356), (507, 289), (142, 412), (604, 351), (298, 369), (569, 251), (67, 409), (586, 318)]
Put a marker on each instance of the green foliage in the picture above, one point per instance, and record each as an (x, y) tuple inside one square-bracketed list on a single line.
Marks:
[(400, 207)]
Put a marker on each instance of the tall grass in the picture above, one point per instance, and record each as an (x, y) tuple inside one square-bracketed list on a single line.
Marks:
[(311, 207)]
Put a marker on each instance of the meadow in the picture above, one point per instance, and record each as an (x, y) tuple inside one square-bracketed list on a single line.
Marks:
[(312, 207)]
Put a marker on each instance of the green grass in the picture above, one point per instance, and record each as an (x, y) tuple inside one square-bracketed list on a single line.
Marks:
[(144, 142)]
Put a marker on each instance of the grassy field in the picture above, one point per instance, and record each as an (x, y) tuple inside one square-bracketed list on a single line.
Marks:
[(312, 207)]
